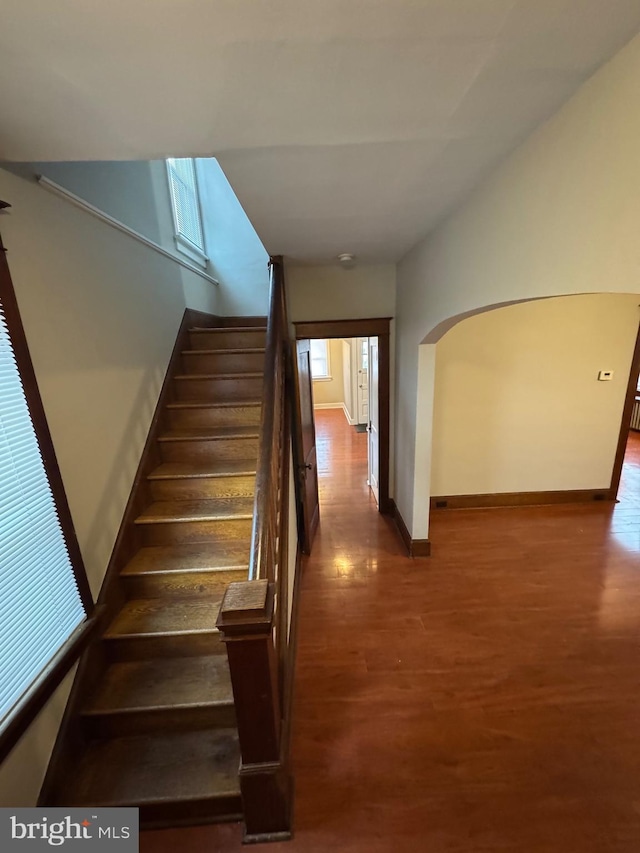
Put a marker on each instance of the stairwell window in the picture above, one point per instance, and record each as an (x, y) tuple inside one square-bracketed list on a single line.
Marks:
[(320, 366), (43, 598), (185, 206)]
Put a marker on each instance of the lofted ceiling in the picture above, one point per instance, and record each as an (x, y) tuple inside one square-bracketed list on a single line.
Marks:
[(342, 125)]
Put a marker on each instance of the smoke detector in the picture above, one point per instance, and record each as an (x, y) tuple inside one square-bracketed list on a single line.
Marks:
[(347, 260)]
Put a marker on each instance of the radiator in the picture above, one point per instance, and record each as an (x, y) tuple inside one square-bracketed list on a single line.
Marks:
[(635, 415)]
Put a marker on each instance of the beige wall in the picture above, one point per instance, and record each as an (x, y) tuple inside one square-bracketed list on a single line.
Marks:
[(101, 313), (518, 406), (332, 293), (559, 216), (328, 392)]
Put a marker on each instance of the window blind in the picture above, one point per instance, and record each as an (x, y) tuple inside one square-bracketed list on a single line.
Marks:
[(40, 605), (184, 199)]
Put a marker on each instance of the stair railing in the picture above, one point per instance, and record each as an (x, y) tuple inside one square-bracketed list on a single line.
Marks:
[(254, 614)]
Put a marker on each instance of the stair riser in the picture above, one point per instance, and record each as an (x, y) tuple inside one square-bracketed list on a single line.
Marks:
[(214, 390), (209, 450), (180, 584), (203, 487), (232, 362), (219, 810), (176, 646), (184, 532), (227, 416), (227, 339), (154, 721)]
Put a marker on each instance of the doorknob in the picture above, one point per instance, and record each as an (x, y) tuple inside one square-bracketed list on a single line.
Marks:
[(303, 466)]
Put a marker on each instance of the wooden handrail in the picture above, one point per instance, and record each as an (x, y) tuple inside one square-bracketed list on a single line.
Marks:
[(254, 614), (272, 414)]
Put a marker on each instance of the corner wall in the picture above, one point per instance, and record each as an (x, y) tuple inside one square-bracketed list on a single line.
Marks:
[(560, 216), (101, 312)]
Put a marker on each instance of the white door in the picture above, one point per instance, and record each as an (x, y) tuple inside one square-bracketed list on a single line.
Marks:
[(362, 360), (374, 420)]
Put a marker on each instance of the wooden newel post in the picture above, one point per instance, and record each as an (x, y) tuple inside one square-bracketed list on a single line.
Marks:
[(246, 623)]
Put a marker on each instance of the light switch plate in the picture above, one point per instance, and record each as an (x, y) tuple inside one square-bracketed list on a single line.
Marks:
[(605, 375)]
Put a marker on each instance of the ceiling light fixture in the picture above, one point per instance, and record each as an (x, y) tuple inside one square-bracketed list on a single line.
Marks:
[(347, 260)]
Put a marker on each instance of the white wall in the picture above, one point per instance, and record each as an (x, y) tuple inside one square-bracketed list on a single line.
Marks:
[(137, 193), (101, 312), (559, 216), (124, 190), (238, 258), (518, 405)]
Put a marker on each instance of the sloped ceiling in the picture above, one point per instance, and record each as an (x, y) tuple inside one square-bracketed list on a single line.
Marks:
[(343, 125)]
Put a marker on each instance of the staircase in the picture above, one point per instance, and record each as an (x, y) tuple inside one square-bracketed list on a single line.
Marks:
[(157, 727)]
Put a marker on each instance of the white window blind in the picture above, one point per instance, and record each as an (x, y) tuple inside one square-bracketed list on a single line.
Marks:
[(40, 606), (185, 202), (319, 352)]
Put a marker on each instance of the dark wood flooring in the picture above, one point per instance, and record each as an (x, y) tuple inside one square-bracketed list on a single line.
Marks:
[(484, 699)]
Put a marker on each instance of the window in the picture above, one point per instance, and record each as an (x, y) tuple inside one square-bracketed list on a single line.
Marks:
[(42, 610), (320, 367), (185, 205)]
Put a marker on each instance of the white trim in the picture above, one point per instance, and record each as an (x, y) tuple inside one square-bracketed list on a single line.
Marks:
[(56, 189), (336, 406), (352, 421), (186, 247)]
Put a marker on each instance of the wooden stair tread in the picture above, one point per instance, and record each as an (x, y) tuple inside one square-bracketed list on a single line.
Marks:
[(162, 683), (210, 433), (229, 329), (148, 617), (223, 556), (189, 376), (156, 768), (184, 470), (221, 404), (237, 351), (206, 509)]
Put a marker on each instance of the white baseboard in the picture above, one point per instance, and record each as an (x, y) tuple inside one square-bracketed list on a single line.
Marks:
[(351, 421)]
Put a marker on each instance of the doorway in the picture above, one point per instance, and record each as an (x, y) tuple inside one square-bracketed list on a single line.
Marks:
[(368, 396), (342, 369)]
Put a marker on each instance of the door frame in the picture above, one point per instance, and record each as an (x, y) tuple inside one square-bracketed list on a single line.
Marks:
[(625, 424), (379, 327), (359, 370)]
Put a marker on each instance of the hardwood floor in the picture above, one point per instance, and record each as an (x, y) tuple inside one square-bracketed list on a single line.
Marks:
[(484, 699)]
